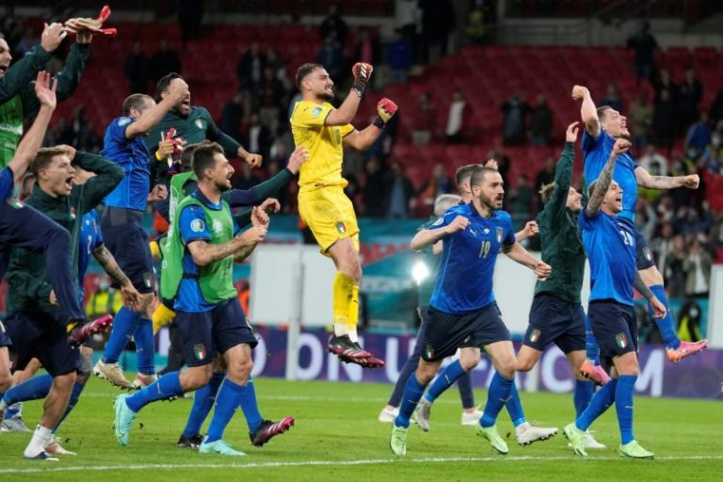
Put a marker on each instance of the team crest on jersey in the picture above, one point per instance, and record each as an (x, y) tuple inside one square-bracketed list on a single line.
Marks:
[(200, 123), (316, 112), (499, 234), (341, 227), (124, 121), (429, 352), (72, 213), (648, 255), (199, 350), (147, 280), (217, 226), (535, 335), (15, 203), (621, 340), (197, 225)]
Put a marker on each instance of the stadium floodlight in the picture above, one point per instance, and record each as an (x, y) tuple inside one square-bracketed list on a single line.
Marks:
[(420, 272)]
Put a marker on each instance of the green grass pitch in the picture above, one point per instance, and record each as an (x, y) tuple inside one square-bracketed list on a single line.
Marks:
[(337, 437)]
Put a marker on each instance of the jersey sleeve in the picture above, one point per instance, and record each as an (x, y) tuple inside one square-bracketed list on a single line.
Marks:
[(346, 130), (6, 184), (445, 220), (193, 226), (310, 115), (236, 227), (589, 143), (117, 129), (510, 238), (98, 233), (586, 222)]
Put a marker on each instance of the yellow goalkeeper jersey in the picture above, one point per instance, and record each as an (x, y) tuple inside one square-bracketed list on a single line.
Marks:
[(324, 144)]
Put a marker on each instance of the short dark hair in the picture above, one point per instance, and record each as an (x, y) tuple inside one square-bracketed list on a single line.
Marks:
[(305, 70), (44, 158), (164, 82), (134, 101), (186, 156), (478, 176), (601, 112), (204, 157), (464, 173)]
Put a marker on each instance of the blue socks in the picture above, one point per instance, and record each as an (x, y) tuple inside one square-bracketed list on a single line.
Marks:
[(168, 385), (514, 407), (34, 388), (599, 403), (229, 398), (202, 404), (412, 393), (125, 324), (592, 350), (143, 336), (496, 399), (464, 384), (250, 407), (624, 406), (583, 394), (665, 325), (445, 380), (74, 396)]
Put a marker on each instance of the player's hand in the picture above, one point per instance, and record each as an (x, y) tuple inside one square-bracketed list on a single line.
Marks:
[(542, 270), (298, 157), (571, 133), (178, 90), (531, 229), (362, 73), (386, 110), (44, 92), (52, 298), (492, 164), (253, 236), (259, 218), (166, 148), (659, 309), (270, 206), (621, 145), (579, 92), (253, 160), (83, 37), (131, 297), (459, 223), (69, 151), (158, 193), (692, 181), (51, 37)]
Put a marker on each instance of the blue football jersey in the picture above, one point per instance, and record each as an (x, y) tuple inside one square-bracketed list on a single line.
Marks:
[(133, 156), (464, 279), (90, 239), (609, 242), (6, 184), (597, 151)]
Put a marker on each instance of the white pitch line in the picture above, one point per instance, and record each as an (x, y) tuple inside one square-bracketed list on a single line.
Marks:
[(312, 463)]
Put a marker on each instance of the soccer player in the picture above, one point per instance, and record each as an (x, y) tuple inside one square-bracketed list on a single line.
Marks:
[(470, 415), (525, 433), (323, 206), (17, 97), (463, 313), (210, 318), (124, 235), (33, 321), (609, 241), (603, 125)]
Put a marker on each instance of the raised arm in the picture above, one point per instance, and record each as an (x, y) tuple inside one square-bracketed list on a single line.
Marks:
[(427, 237), (362, 140), (588, 110), (520, 255), (347, 110), (602, 184), (178, 89), (665, 182), (28, 148)]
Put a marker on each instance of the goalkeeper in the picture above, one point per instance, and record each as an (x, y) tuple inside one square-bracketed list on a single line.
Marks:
[(323, 206)]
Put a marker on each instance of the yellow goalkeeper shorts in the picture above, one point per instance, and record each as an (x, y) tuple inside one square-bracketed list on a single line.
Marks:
[(330, 215)]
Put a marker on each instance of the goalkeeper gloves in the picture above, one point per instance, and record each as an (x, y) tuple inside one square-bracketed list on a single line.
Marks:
[(362, 73), (386, 110)]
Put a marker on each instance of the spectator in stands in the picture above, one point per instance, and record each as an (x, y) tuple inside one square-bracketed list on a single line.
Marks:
[(644, 45), (245, 178), (334, 27), (697, 265), (521, 201), (400, 193), (455, 118), (164, 61), (497, 153), (366, 47), (664, 82), (400, 59), (664, 120), (654, 162), (424, 120), (79, 132), (689, 321), (674, 275), (515, 111), (663, 245), (645, 218), (437, 24), (439, 183), (26, 43), (544, 176), (137, 69), (374, 192), (690, 93), (479, 20), (190, 16), (272, 97), (699, 134), (713, 154), (640, 118), (612, 97), (540, 122), (407, 22), (716, 110), (256, 137), (331, 57), (232, 115), (250, 68)]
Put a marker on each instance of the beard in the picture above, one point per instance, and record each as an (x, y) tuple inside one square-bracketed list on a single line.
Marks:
[(326, 96), (223, 186)]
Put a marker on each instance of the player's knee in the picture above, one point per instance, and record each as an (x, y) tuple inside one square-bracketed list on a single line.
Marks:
[(241, 369), (65, 382), (469, 360), (525, 364), (6, 381), (425, 373), (507, 368), (196, 377)]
